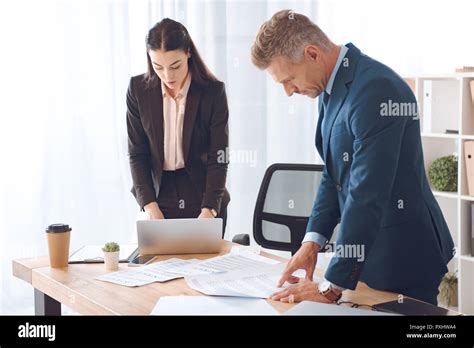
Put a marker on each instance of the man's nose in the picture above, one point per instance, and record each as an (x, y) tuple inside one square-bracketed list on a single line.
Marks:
[(289, 90)]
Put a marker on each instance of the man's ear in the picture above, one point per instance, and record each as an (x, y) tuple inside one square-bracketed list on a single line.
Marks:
[(312, 52)]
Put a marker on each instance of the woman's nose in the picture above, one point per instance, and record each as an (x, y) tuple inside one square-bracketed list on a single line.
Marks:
[(169, 75)]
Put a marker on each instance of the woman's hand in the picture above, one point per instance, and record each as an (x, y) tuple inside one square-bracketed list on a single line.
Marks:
[(153, 211), (206, 214)]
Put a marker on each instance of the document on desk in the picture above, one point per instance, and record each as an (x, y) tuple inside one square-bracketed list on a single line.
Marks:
[(126, 278), (155, 272), (207, 305), (94, 253), (227, 262), (259, 282)]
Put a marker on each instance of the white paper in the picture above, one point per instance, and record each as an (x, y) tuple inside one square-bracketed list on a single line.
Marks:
[(126, 278), (89, 253), (155, 272), (228, 262), (176, 268), (255, 249), (260, 282), (163, 271), (206, 305)]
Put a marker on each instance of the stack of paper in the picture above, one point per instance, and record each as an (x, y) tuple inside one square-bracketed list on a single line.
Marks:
[(176, 268), (227, 262), (259, 282), (156, 272), (206, 305), (94, 253)]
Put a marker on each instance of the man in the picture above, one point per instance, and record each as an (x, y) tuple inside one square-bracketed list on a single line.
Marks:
[(374, 182)]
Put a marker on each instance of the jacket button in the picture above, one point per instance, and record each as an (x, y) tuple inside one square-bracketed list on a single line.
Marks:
[(338, 188)]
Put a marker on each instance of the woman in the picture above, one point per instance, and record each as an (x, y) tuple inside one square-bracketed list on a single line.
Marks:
[(178, 135)]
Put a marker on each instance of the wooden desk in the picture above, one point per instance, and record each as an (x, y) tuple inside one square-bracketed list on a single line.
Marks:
[(75, 287)]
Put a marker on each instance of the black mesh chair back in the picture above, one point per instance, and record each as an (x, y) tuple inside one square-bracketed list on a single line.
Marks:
[(284, 204)]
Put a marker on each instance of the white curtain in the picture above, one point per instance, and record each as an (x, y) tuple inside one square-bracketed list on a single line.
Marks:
[(64, 70), (63, 143)]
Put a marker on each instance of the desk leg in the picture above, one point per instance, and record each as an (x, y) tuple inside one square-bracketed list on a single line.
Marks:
[(45, 305)]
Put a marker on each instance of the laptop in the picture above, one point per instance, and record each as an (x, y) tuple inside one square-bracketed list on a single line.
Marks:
[(179, 236)]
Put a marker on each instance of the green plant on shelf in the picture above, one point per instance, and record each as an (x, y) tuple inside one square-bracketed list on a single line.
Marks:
[(443, 173), (111, 247)]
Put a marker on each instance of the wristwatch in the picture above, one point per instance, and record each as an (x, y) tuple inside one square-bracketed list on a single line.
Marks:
[(326, 289)]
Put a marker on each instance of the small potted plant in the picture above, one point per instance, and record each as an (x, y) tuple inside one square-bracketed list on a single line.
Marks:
[(448, 290), (111, 255), (443, 174)]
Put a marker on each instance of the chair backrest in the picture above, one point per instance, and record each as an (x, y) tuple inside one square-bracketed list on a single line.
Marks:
[(284, 204)]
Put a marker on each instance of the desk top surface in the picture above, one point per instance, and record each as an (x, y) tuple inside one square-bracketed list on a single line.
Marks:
[(75, 287)]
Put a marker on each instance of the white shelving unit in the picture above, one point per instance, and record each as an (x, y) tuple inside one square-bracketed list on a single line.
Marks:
[(457, 114)]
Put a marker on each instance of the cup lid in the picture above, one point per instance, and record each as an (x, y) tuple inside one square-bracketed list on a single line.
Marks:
[(55, 228)]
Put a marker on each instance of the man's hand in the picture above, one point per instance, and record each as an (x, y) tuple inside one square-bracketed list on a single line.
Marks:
[(305, 258), (206, 214), (304, 290), (153, 211)]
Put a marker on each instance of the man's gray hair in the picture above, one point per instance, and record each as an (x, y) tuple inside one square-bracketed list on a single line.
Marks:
[(286, 34)]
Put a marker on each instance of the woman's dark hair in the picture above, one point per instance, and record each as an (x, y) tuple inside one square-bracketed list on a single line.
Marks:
[(169, 35)]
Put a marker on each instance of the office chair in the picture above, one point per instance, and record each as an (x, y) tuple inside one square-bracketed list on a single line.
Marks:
[(283, 206)]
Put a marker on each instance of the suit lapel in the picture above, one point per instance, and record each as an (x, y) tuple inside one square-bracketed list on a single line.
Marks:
[(344, 76), (336, 100), (190, 112), (156, 113), (319, 140)]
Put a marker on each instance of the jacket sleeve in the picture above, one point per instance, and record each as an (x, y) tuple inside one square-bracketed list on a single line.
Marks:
[(139, 152), (325, 213), (217, 160), (376, 151)]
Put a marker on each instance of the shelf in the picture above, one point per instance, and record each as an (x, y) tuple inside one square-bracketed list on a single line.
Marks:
[(448, 136), (442, 135), (466, 257), (446, 194), (454, 75), (446, 103)]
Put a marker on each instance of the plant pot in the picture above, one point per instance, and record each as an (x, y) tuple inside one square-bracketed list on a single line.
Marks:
[(453, 302), (448, 295), (111, 260)]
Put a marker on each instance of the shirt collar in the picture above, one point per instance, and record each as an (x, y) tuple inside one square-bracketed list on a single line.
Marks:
[(182, 93), (342, 53)]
